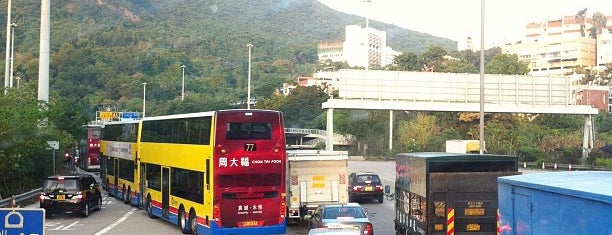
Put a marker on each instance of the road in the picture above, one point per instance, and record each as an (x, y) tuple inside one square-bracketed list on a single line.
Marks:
[(119, 218)]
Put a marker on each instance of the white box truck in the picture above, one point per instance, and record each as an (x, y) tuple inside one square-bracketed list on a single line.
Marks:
[(315, 177)]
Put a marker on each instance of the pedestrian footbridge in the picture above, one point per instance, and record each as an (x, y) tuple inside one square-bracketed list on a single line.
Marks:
[(453, 92), (309, 138)]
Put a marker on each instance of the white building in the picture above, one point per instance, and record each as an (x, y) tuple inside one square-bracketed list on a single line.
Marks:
[(389, 55), (362, 46)]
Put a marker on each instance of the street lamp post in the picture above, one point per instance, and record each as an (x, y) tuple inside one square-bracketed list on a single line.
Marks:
[(482, 72), (183, 88), (249, 78), (13, 25), (144, 98)]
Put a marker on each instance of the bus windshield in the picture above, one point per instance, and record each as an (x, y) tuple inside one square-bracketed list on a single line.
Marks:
[(249, 131)]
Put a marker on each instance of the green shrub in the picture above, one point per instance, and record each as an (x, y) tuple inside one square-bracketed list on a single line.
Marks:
[(530, 154), (569, 156), (604, 162)]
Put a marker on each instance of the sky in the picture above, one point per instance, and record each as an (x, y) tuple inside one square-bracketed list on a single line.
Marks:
[(504, 20)]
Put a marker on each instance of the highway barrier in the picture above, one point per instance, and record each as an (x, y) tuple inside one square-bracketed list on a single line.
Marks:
[(15, 199)]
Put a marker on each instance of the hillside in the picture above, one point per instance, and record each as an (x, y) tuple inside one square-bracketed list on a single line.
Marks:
[(102, 51)]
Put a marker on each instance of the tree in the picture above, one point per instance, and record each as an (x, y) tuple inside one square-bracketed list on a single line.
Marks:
[(302, 105), (454, 66), (24, 130), (415, 135), (594, 76), (506, 64), (603, 123), (329, 65), (599, 22), (430, 57), (406, 61), (581, 17)]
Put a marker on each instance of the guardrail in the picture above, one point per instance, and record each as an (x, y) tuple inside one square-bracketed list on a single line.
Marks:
[(559, 166), (13, 200)]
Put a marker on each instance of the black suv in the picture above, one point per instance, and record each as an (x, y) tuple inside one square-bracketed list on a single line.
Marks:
[(365, 185), (74, 193)]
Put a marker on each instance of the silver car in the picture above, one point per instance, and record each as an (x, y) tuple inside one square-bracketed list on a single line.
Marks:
[(344, 215)]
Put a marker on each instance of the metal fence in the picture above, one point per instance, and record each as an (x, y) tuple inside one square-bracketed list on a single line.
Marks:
[(13, 200)]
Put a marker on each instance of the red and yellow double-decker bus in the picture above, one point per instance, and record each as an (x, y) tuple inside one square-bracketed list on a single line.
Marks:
[(119, 167), (220, 172)]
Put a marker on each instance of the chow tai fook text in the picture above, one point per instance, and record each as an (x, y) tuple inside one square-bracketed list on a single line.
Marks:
[(245, 162)]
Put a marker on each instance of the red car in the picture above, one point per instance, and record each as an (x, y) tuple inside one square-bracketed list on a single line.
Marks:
[(364, 186)]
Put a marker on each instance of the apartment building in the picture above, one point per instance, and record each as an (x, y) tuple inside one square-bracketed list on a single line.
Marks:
[(555, 56), (555, 46)]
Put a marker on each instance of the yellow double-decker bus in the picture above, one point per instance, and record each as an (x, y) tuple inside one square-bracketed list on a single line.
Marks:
[(219, 172), (118, 167)]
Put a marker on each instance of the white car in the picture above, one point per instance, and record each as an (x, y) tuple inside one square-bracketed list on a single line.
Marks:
[(334, 231)]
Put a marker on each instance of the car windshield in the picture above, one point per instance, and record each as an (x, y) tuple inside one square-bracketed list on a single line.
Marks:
[(60, 185), (368, 179), (336, 212)]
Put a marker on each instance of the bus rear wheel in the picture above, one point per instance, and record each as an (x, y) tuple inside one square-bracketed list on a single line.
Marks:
[(128, 196), (193, 222), (150, 208), (182, 221)]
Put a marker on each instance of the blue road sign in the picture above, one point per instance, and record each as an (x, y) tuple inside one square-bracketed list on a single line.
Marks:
[(130, 115), (22, 221)]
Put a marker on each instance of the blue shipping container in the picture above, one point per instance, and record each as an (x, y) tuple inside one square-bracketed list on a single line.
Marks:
[(570, 202)]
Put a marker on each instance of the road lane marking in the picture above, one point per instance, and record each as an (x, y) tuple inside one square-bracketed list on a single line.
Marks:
[(63, 227), (117, 222)]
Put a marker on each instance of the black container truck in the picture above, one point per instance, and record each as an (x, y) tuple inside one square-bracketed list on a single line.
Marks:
[(449, 193)]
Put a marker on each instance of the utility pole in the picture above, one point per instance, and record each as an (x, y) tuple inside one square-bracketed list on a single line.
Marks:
[(43, 61)]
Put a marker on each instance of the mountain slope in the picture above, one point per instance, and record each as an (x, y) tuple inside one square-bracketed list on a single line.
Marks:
[(102, 51)]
